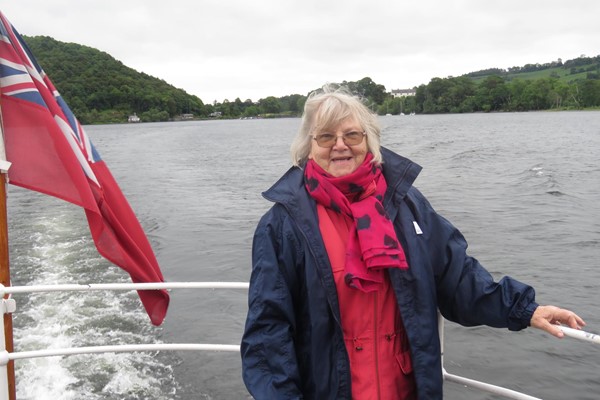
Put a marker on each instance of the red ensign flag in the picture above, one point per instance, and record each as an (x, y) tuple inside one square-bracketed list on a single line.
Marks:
[(50, 153)]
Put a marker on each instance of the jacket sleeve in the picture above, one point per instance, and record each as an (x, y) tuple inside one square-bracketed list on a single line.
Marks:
[(467, 293), (269, 365)]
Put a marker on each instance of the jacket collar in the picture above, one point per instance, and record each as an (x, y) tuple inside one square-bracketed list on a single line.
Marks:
[(399, 172)]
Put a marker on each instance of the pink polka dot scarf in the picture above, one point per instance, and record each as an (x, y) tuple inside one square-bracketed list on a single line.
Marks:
[(372, 242)]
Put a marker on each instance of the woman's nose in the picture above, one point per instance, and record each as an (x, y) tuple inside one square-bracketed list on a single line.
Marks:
[(339, 141)]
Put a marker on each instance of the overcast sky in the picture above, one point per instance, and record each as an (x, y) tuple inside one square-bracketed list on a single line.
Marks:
[(224, 49)]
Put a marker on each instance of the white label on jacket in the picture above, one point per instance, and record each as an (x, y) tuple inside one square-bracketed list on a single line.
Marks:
[(417, 228)]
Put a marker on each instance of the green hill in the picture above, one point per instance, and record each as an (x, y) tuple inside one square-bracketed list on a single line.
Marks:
[(100, 89), (568, 72)]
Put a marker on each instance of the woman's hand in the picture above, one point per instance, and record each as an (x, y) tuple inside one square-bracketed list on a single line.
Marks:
[(548, 317)]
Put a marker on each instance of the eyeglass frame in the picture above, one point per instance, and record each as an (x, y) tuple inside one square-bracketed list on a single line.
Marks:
[(362, 137)]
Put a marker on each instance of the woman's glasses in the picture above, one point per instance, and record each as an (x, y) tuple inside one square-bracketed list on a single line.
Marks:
[(329, 139)]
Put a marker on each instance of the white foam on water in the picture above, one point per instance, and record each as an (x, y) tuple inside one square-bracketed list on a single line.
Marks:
[(58, 249)]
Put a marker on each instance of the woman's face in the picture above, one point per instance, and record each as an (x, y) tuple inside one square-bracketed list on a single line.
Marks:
[(340, 159)]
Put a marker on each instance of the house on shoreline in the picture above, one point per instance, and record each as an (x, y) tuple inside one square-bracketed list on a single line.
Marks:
[(403, 92)]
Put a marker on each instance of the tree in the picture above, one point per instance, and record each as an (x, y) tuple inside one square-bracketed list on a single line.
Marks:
[(367, 89), (590, 93), (517, 100), (251, 111), (436, 98), (269, 105), (538, 94)]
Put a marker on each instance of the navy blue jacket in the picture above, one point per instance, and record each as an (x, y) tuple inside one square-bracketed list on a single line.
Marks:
[(293, 347)]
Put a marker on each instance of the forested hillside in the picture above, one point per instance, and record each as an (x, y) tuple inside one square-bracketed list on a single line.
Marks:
[(100, 89)]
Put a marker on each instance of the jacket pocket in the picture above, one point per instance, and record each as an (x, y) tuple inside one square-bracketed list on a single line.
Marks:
[(404, 361)]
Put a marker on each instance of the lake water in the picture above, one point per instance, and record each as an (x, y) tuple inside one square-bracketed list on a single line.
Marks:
[(524, 188)]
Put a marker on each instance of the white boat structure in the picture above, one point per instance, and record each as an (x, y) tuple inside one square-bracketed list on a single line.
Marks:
[(8, 306), (134, 118)]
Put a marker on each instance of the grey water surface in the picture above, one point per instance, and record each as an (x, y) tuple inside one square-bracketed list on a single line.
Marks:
[(524, 188)]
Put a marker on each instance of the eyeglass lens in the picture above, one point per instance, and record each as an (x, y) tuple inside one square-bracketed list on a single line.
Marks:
[(350, 139)]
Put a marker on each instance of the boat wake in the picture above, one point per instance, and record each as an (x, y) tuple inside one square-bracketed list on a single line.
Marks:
[(61, 251)]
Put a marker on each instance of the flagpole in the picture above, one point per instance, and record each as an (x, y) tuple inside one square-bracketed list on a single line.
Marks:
[(4, 264)]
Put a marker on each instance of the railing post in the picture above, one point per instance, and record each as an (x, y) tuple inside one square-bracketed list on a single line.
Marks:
[(4, 389), (7, 391), (8, 370)]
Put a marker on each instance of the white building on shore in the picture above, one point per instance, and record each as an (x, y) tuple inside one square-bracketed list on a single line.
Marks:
[(403, 92)]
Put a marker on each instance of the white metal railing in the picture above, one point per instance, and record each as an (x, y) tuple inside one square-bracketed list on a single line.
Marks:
[(508, 393), (120, 286), (123, 348), (8, 306)]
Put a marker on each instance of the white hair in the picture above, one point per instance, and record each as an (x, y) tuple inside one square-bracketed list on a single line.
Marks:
[(326, 109)]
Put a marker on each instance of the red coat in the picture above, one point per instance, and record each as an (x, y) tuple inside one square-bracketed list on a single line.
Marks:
[(376, 343)]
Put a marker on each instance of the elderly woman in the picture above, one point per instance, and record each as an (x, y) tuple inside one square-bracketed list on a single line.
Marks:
[(350, 268)]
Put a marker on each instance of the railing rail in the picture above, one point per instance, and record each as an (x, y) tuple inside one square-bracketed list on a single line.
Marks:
[(8, 306), (486, 387), (82, 287), (122, 348)]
